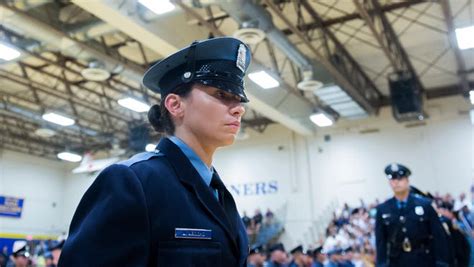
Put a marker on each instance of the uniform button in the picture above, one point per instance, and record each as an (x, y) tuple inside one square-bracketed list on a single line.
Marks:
[(404, 230)]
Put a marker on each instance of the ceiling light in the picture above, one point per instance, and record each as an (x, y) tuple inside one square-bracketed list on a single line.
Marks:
[(68, 156), (471, 96), (150, 147), (465, 37), (45, 132), (263, 79), (321, 119), (133, 104), (8, 53), (157, 6), (58, 119)]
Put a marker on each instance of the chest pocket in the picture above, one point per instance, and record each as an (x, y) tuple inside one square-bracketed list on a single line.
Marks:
[(189, 253), (387, 219)]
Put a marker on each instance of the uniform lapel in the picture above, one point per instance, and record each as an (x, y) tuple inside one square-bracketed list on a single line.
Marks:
[(189, 176), (393, 204), (236, 222)]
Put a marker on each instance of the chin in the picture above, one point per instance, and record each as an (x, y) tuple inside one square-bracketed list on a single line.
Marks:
[(228, 140)]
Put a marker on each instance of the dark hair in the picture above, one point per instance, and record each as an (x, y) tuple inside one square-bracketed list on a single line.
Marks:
[(160, 118)]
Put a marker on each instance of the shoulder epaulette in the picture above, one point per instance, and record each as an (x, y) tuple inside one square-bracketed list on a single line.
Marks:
[(140, 157)]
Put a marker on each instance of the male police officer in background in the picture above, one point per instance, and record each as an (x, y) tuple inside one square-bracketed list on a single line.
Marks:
[(169, 207), (256, 257), (408, 231)]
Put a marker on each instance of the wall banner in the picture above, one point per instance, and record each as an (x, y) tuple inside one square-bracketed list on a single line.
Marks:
[(11, 206)]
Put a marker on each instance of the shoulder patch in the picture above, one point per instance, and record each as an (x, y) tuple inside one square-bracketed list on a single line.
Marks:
[(144, 156)]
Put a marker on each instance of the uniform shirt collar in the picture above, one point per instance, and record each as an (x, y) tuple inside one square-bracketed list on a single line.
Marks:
[(204, 171), (401, 203)]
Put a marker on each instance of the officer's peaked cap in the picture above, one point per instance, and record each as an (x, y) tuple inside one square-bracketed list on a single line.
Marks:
[(218, 62), (297, 249), (19, 248), (276, 247), (396, 170), (256, 249), (318, 250)]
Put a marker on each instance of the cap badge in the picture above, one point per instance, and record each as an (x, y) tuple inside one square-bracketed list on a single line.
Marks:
[(241, 56), (187, 74), (394, 167)]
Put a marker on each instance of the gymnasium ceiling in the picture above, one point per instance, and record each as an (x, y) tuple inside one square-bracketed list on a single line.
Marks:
[(351, 46)]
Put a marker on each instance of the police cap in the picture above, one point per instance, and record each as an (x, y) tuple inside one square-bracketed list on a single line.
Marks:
[(19, 248), (347, 250), (276, 247), (297, 249), (396, 171), (218, 62), (256, 250), (318, 250), (334, 251)]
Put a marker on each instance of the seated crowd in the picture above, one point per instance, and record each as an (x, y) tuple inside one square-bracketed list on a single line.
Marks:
[(350, 238)]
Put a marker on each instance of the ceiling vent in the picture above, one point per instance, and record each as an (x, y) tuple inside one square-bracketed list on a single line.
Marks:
[(95, 72), (308, 84), (249, 33)]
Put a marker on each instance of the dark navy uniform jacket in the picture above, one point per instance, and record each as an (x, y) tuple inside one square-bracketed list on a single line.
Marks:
[(419, 223), (131, 213)]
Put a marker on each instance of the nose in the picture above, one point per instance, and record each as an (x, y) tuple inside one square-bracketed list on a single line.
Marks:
[(238, 109)]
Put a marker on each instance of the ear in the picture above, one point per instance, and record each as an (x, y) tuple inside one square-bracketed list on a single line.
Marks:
[(174, 105)]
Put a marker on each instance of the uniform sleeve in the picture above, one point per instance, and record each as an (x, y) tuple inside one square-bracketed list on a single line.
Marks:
[(441, 252), (380, 240), (110, 226)]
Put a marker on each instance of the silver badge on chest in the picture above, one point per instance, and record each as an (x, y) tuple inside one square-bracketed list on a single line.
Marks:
[(419, 210)]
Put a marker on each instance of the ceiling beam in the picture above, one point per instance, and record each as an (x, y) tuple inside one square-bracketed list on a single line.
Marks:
[(353, 16), (337, 60), (60, 95), (462, 73), (445, 91)]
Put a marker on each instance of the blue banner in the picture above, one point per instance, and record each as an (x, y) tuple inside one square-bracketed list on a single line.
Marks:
[(11, 206)]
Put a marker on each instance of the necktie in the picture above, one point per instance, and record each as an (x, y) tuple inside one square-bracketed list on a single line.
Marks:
[(403, 205), (216, 184), (224, 200)]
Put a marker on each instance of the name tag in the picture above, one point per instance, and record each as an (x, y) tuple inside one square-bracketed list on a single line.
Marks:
[(188, 233)]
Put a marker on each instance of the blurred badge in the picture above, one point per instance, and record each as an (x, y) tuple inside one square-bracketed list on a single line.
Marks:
[(419, 210), (241, 57), (189, 233)]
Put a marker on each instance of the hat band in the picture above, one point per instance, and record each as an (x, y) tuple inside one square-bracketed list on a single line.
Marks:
[(219, 76)]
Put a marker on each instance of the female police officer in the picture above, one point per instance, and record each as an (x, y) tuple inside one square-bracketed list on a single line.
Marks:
[(169, 207)]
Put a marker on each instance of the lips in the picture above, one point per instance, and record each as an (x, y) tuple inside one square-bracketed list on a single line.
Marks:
[(236, 124)]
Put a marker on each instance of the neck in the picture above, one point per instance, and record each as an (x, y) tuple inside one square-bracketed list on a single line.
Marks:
[(402, 196), (204, 152)]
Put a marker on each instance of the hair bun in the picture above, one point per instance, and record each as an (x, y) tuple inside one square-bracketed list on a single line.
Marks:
[(154, 116)]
